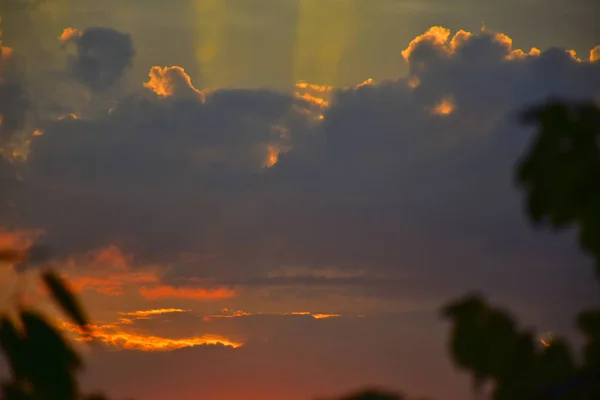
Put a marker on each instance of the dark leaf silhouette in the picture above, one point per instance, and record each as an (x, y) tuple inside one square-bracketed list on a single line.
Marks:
[(560, 172), (65, 298)]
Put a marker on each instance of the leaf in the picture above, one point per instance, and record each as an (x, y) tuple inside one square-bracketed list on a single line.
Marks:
[(65, 298), (13, 345), (51, 362)]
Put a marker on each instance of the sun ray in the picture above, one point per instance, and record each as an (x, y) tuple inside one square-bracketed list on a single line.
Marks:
[(323, 33), (211, 42)]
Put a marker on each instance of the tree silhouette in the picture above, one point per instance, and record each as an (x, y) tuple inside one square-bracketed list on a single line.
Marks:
[(561, 177)]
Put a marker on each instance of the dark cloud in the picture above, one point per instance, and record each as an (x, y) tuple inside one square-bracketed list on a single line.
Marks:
[(14, 102), (389, 182), (103, 55)]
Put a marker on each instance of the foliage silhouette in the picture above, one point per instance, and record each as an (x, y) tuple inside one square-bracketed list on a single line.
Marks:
[(560, 175), (561, 178), (43, 363)]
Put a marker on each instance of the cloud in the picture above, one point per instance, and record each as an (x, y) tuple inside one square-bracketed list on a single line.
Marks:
[(172, 81), (148, 313), (102, 56), (110, 272), (170, 292), (595, 54), (408, 180), (115, 336)]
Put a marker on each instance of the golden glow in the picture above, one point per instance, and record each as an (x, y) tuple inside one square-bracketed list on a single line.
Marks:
[(110, 272), (114, 335), (272, 156), (519, 54), (38, 132), (167, 81), (143, 314), (170, 292), (547, 342), (323, 32), (595, 54), (315, 316), (69, 33), (70, 117), (436, 34), (440, 37), (314, 100), (367, 82), (227, 313), (445, 107), (316, 88), (459, 39), (573, 55)]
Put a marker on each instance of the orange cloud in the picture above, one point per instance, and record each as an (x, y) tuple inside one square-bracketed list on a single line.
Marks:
[(313, 87), (272, 156), (519, 54), (110, 272), (314, 100), (19, 239), (367, 82), (437, 35), (115, 336), (440, 37), (459, 39), (595, 54), (143, 314), (315, 316), (227, 313), (573, 55), (69, 33), (445, 107), (169, 81), (171, 292), (70, 117)]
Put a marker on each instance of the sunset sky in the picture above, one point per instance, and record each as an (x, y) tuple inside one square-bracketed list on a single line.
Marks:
[(272, 199)]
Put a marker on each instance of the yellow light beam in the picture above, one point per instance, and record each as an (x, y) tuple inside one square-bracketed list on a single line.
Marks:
[(323, 33)]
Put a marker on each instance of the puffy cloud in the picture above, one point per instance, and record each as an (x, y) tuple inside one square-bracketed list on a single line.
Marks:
[(102, 56), (595, 54), (172, 81), (409, 179)]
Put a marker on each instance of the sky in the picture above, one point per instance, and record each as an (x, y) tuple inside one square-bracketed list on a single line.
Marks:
[(272, 199)]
